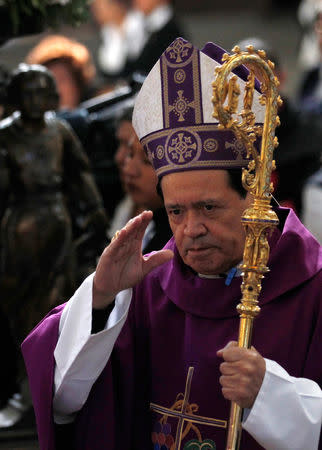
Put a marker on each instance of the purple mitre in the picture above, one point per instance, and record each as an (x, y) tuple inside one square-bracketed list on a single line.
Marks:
[(173, 112)]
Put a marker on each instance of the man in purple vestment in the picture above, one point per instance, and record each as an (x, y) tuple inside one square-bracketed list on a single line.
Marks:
[(144, 355)]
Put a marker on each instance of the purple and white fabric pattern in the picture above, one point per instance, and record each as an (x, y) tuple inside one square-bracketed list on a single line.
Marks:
[(173, 113)]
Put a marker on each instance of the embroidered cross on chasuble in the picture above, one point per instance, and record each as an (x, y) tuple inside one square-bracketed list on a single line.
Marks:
[(162, 436)]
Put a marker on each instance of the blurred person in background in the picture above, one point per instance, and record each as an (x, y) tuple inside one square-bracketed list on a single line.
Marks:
[(312, 204), (309, 52), (71, 65), (120, 28), (311, 101), (310, 90), (133, 34), (299, 135), (126, 208)]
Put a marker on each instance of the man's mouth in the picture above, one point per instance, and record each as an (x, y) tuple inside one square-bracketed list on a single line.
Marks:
[(198, 250)]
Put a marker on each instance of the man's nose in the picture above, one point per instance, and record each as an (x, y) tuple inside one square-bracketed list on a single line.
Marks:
[(194, 225)]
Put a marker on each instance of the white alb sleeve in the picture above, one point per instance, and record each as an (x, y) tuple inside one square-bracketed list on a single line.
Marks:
[(287, 413), (79, 355)]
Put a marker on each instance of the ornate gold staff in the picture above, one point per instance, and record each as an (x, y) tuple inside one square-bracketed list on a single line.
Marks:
[(260, 217)]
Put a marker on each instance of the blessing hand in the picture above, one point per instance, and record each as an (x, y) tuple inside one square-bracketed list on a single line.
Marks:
[(242, 374), (122, 264)]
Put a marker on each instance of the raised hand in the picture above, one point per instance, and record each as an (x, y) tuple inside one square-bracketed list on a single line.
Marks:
[(122, 264), (242, 374)]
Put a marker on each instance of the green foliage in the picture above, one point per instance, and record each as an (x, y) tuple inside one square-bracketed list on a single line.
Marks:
[(41, 14)]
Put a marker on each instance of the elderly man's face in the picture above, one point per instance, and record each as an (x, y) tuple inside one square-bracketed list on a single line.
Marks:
[(205, 217)]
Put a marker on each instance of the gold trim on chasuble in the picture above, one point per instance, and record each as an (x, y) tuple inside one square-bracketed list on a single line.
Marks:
[(185, 413)]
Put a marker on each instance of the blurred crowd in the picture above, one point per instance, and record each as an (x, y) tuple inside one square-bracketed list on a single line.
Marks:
[(72, 170)]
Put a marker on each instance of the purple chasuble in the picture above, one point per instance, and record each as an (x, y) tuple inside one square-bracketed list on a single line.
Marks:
[(161, 383)]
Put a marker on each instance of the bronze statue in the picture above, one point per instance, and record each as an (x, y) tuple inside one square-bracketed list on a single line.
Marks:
[(44, 175)]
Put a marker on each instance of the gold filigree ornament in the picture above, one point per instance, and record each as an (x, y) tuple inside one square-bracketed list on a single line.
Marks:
[(260, 218)]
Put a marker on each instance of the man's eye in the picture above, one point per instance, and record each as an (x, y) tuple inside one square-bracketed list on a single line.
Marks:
[(209, 207), (175, 212)]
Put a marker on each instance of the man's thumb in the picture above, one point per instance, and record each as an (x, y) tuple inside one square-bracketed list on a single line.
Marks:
[(156, 259)]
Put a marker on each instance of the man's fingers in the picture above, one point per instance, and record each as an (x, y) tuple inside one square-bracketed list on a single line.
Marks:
[(232, 395), (156, 259), (242, 374), (232, 352), (230, 381), (227, 368), (145, 217), (135, 228), (132, 232), (238, 388)]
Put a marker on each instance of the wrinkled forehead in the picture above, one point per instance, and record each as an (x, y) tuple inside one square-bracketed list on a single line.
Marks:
[(195, 180)]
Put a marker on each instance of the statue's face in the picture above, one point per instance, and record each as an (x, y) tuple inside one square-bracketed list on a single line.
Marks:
[(37, 96)]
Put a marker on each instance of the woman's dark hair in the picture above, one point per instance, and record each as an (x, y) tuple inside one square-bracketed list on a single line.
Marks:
[(235, 182)]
